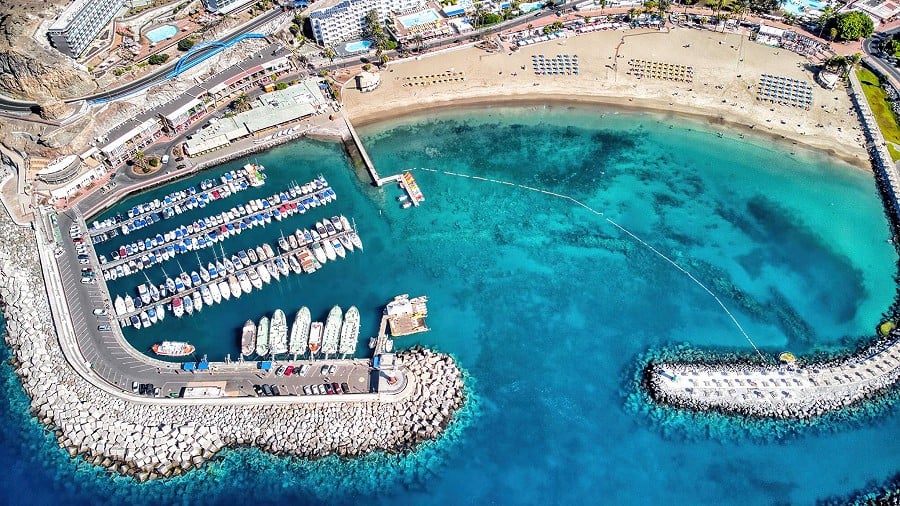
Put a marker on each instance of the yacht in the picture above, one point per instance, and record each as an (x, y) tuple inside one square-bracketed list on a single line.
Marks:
[(329, 249), (198, 300), (278, 333), (262, 337), (224, 289), (300, 332), (248, 338), (349, 332), (332, 333), (254, 278), (177, 307)]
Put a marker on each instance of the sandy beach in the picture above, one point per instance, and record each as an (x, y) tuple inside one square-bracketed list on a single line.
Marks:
[(727, 68)]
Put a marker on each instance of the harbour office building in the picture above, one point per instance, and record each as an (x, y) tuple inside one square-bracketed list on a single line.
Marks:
[(336, 21), (78, 25)]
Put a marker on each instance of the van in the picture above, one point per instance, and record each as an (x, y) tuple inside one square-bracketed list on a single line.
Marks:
[(165, 159)]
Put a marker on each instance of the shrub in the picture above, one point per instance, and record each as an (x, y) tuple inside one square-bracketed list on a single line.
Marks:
[(185, 44), (158, 59)]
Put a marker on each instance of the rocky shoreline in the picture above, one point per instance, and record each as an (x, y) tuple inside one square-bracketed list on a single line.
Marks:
[(786, 391), (149, 439)]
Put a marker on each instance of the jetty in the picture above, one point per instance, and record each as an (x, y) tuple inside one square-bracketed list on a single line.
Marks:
[(790, 389), (403, 316), (364, 155)]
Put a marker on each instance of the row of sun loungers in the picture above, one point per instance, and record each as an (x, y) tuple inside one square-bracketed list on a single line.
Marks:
[(426, 80), (561, 64), (784, 91), (659, 70)]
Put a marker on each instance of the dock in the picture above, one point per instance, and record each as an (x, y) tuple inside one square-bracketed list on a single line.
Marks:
[(373, 173), (403, 316)]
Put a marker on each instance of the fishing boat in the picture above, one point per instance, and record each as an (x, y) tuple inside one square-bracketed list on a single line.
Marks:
[(300, 332), (349, 332), (263, 273), (315, 337), (278, 333), (173, 349), (177, 307), (329, 249), (248, 338), (225, 289), (262, 337), (332, 333)]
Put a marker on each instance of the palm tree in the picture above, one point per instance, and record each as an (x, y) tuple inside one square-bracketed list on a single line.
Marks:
[(419, 40), (138, 161), (827, 15), (740, 8), (241, 103), (602, 5), (329, 53), (718, 6)]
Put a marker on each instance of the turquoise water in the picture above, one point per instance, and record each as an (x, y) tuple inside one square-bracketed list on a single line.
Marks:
[(419, 18), (358, 46), (162, 33), (549, 308)]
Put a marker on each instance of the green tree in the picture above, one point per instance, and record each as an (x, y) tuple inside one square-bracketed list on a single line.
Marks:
[(825, 18), (367, 67), (185, 44), (281, 86), (740, 8), (158, 58), (717, 5), (138, 160), (241, 103), (329, 53), (854, 25)]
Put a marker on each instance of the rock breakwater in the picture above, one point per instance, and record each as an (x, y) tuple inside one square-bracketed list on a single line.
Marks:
[(798, 391), (154, 438)]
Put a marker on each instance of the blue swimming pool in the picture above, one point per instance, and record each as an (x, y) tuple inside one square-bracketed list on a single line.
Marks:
[(803, 7), (357, 46), (162, 33), (419, 18)]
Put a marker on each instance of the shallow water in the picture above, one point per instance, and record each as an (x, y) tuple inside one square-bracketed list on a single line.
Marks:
[(548, 306)]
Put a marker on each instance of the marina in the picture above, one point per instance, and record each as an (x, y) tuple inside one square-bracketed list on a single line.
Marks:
[(204, 232), (186, 290), (143, 215)]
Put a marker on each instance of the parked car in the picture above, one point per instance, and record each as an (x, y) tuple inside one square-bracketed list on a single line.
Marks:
[(165, 159), (156, 392), (104, 328), (258, 390), (328, 389), (134, 386), (325, 369), (336, 388), (275, 390), (320, 389), (345, 388), (307, 390), (332, 369), (100, 312), (279, 371), (267, 390), (289, 370), (87, 281), (304, 369)]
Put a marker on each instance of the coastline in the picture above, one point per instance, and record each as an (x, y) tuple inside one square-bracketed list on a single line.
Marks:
[(706, 118), (727, 69)]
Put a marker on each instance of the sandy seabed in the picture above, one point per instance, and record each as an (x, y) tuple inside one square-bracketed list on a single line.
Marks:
[(727, 68)]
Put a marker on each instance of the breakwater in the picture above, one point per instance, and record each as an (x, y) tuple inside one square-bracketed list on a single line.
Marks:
[(152, 438), (783, 391)]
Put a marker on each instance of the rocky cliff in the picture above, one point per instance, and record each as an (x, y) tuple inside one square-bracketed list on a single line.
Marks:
[(28, 70)]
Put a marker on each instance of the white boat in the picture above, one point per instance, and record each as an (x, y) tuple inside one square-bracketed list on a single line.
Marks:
[(261, 254), (173, 349), (329, 249), (216, 294), (319, 253), (198, 300), (273, 271), (119, 305), (354, 238), (332, 333), (349, 332), (225, 289), (188, 304), (295, 264), (129, 304), (177, 307), (346, 242), (262, 337), (282, 267), (278, 333), (160, 312), (206, 295), (270, 253), (337, 224), (345, 222), (248, 338), (246, 285), (145, 319), (338, 248), (300, 332), (235, 286), (254, 278), (315, 337), (263, 274)]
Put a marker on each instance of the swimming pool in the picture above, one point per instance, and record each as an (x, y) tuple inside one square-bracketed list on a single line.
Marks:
[(162, 33), (803, 7), (530, 6), (419, 18), (357, 46)]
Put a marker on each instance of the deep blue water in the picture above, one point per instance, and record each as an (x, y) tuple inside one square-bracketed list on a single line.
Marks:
[(548, 307)]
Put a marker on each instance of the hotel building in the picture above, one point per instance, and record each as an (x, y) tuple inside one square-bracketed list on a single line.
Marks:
[(336, 21), (78, 25)]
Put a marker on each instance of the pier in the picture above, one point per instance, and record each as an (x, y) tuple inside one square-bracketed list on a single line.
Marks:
[(373, 173), (404, 316)]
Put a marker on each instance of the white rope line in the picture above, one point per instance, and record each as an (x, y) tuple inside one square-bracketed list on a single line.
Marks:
[(630, 234)]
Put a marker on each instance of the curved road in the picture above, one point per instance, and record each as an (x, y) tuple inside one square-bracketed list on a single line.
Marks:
[(12, 105)]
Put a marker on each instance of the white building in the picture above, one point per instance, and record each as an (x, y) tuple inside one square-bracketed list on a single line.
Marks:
[(224, 6), (78, 25), (336, 21)]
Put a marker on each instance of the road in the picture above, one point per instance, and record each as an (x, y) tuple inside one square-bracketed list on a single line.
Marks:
[(117, 362), (158, 75), (874, 54)]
